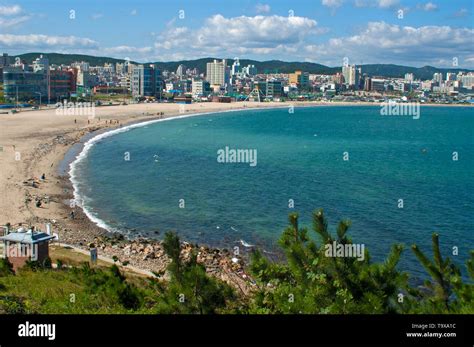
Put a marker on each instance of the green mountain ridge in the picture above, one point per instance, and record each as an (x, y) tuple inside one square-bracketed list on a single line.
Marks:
[(270, 66)]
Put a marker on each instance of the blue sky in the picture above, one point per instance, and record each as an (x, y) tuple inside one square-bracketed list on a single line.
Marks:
[(414, 32)]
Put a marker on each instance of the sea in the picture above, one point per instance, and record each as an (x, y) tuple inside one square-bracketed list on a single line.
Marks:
[(397, 178)]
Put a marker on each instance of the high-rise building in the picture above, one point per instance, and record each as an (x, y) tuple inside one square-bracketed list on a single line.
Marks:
[(85, 81), (236, 67), (438, 78), (83, 66), (128, 67), (274, 88), (378, 84), (351, 75), (299, 79), (249, 70), (181, 71), (146, 81), (450, 76), (24, 85), (119, 68), (62, 83), (409, 77), (201, 88), (4, 60), (468, 80), (217, 72), (367, 84)]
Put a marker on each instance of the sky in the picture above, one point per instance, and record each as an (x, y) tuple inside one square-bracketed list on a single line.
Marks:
[(414, 33)]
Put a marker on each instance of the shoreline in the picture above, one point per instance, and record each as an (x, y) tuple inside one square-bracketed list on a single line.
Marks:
[(44, 139)]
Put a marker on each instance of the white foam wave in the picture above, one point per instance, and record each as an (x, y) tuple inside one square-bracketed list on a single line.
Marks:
[(245, 244)]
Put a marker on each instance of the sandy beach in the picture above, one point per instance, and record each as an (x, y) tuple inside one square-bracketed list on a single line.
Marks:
[(35, 142)]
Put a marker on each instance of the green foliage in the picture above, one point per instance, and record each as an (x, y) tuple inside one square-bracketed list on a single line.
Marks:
[(446, 292), (35, 265), (190, 290), (12, 304), (6, 267), (311, 282), (111, 285)]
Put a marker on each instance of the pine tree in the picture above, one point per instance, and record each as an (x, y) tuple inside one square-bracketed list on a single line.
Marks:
[(190, 289), (311, 282), (447, 293)]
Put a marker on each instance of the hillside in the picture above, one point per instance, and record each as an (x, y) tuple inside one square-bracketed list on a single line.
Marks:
[(270, 66)]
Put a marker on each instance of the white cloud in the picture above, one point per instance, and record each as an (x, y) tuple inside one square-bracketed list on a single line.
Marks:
[(45, 41), (11, 22), (262, 8), (376, 3), (429, 6), (10, 10), (382, 42), (332, 3), (387, 3), (11, 16), (238, 35)]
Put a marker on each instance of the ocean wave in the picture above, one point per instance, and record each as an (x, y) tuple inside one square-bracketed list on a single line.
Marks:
[(245, 244)]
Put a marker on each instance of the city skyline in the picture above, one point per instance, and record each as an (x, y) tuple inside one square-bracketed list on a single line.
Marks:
[(420, 33)]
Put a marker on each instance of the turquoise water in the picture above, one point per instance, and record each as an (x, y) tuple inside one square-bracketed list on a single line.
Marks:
[(299, 157)]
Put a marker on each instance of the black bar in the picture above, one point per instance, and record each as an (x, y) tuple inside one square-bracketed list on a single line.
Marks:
[(242, 329)]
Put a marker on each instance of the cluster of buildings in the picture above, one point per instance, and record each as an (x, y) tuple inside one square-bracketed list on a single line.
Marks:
[(38, 81), (222, 80)]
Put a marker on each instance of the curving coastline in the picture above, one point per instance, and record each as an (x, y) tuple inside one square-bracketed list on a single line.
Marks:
[(43, 138)]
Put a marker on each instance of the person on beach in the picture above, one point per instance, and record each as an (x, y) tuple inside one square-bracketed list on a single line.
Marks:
[(43, 177), (75, 121), (71, 214)]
